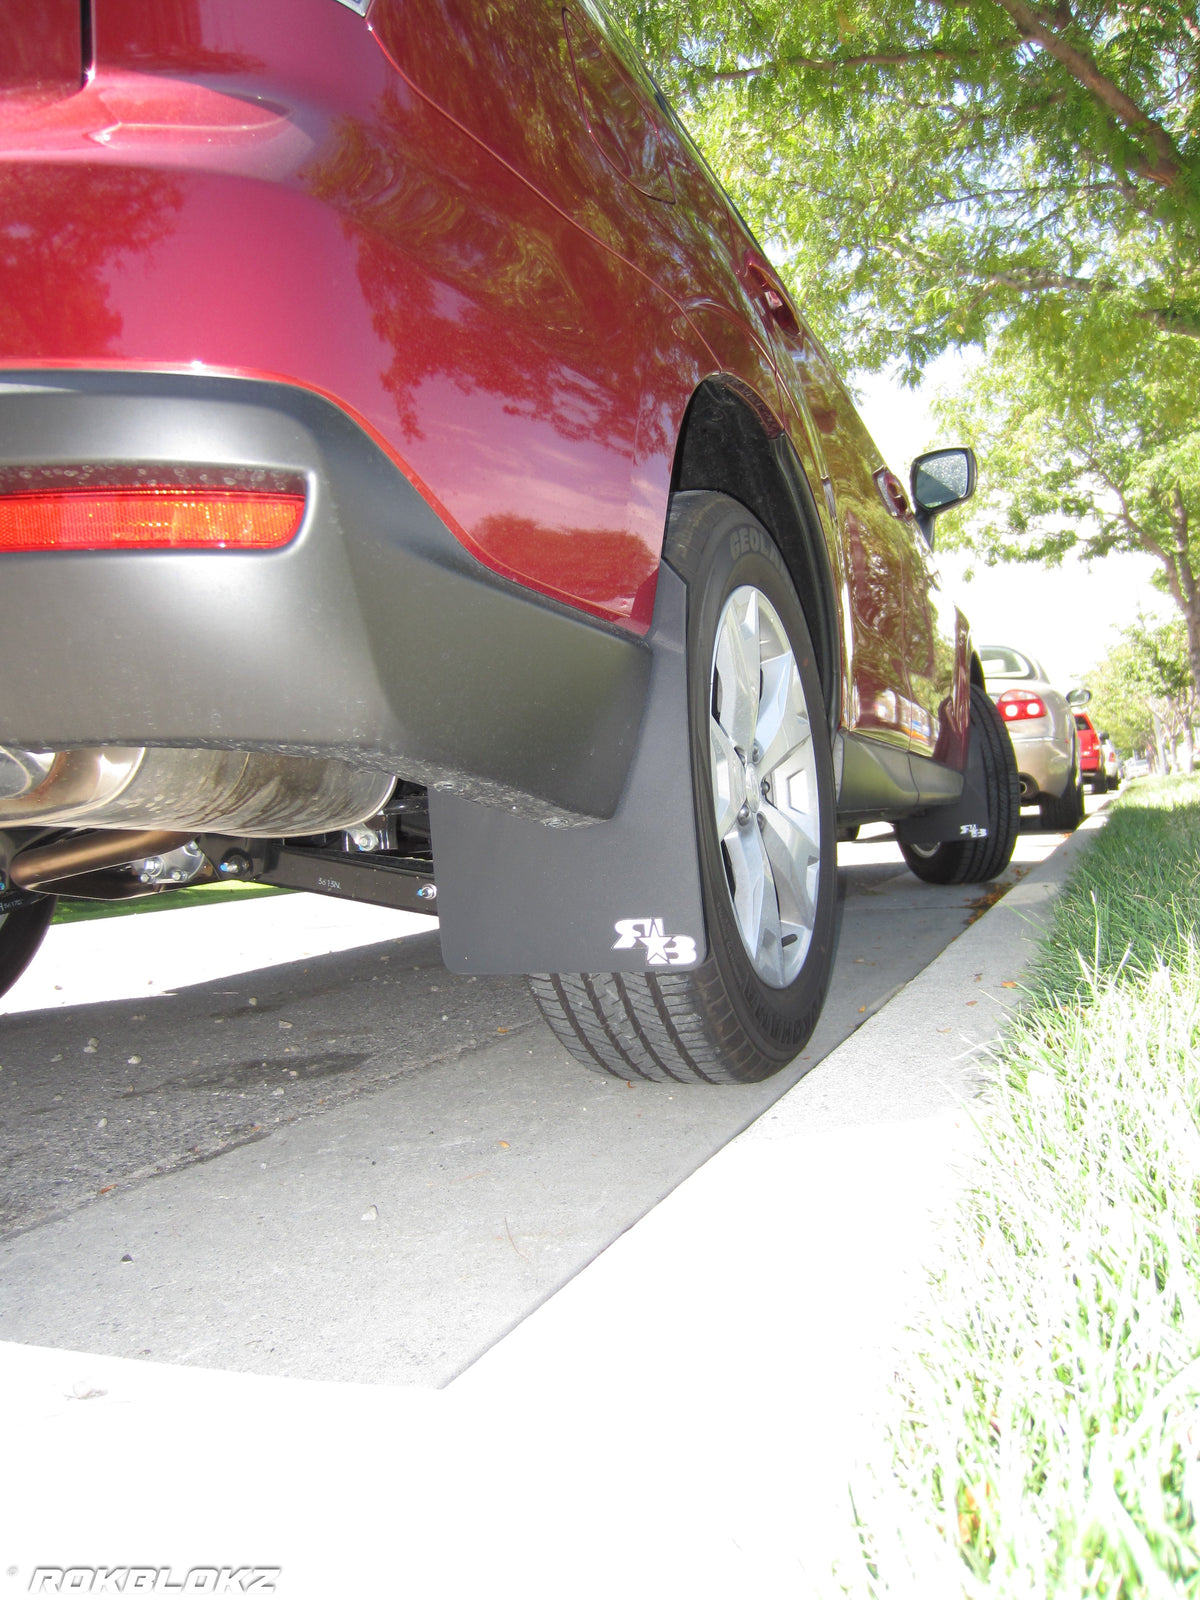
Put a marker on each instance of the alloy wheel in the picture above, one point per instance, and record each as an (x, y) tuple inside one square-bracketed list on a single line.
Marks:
[(764, 786)]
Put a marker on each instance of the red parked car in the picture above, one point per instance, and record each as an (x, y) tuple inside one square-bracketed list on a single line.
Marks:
[(417, 485), (1091, 754)]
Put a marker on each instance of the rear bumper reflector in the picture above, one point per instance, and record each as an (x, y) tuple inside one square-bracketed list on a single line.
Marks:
[(150, 517)]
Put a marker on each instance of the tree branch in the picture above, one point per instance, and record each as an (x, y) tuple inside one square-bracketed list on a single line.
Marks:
[(1169, 321), (835, 64), (1165, 167), (1179, 516), (1037, 280), (1033, 280), (1147, 541)]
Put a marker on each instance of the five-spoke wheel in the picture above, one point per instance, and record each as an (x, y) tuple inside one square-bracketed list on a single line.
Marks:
[(764, 786), (762, 778)]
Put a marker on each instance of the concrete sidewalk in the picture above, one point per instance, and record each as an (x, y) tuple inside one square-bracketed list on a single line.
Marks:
[(680, 1419)]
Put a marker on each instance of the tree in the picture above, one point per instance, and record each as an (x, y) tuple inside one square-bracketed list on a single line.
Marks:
[(1119, 707), (932, 169), (1091, 440), (1019, 175), (1144, 692)]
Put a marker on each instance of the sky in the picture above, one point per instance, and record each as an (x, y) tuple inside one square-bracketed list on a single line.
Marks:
[(1066, 616)]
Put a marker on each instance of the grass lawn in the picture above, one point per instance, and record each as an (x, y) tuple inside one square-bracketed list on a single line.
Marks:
[(207, 894), (1045, 1424)]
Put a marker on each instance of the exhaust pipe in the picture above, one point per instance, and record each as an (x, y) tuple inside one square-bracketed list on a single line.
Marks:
[(252, 794), (90, 852)]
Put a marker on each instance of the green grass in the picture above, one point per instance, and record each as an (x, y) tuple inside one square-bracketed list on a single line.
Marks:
[(1045, 1423), (1135, 898), (168, 900)]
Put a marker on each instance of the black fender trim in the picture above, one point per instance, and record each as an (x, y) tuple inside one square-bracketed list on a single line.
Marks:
[(725, 448), (622, 896)]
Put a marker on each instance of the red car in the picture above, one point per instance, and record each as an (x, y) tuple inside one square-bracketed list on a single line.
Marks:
[(1091, 755), (417, 485)]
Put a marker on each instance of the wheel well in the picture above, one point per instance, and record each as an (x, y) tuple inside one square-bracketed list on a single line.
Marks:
[(728, 447), (977, 671)]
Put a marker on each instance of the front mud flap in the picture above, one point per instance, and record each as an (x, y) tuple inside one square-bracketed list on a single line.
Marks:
[(964, 818), (622, 896)]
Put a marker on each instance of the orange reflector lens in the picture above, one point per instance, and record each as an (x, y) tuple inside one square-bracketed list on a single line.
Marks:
[(160, 517)]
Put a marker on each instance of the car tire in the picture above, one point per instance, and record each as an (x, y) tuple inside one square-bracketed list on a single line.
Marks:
[(1099, 785), (977, 860), (21, 933), (768, 865), (1064, 814)]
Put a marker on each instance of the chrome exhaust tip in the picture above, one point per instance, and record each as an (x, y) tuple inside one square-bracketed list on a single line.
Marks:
[(250, 793)]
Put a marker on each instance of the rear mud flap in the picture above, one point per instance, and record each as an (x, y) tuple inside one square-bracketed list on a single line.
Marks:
[(622, 896), (966, 818)]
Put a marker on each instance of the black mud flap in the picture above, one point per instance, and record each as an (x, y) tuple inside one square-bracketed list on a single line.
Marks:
[(964, 818), (514, 895)]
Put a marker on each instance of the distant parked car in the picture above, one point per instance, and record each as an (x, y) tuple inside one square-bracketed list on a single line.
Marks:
[(1137, 767), (1040, 725), (1113, 767), (1091, 756)]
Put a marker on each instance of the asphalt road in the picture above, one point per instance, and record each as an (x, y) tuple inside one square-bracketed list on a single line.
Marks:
[(279, 1137)]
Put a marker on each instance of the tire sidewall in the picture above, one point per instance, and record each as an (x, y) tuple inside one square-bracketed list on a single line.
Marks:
[(738, 551)]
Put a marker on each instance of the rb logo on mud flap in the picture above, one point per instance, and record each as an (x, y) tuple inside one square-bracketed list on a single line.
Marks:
[(662, 950)]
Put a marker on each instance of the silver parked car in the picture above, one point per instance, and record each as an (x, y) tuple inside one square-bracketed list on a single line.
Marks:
[(1041, 724), (1114, 767)]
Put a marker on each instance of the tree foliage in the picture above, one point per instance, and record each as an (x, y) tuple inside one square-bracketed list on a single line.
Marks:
[(1118, 707), (1143, 688), (930, 169), (1018, 175), (1091, 439)]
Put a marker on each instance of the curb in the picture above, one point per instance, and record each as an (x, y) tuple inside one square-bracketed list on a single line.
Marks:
[(922, 1052), (843, 1167)]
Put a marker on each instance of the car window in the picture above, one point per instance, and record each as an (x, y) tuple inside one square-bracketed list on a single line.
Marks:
[(1001, 662)]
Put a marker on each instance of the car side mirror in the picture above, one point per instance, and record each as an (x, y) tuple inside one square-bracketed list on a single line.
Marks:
[(940, 480), (1079, 697)]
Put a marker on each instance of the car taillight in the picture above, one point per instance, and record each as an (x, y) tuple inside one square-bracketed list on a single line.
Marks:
[(148, 517), (1018, 704)]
